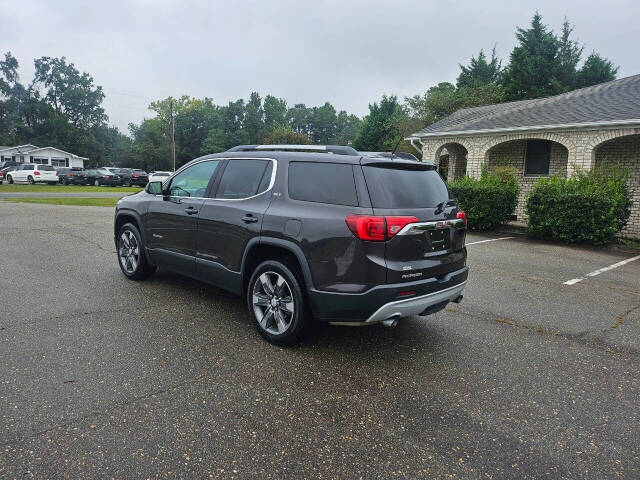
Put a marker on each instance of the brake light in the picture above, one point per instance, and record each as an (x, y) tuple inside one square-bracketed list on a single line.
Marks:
[(463, 216), (69, 174), (376, 229), (367, 227), (36, 172), (135, 175), (105, 176)]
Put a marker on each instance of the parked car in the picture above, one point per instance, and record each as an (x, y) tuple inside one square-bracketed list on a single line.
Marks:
[(133, 176), (159, 176), (33, 173), (4, 171), (72, 176), (102, 176), (8, 163), (303, 236)]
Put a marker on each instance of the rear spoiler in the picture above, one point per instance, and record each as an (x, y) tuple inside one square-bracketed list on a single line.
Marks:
[(399, 164)]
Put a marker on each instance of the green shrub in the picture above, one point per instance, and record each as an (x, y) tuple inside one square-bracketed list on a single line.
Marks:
[(488, 201), (587, 208)]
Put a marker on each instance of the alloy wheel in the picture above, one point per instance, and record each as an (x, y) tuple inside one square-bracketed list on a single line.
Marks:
[(273, 303), (129, 252)]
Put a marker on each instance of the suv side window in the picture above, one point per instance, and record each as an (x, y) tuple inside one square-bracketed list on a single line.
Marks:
[(244, 179), (323, 183), (193, 181)]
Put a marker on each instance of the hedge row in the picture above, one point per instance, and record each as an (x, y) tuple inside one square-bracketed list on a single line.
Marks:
[(589, 208), (488, 201)]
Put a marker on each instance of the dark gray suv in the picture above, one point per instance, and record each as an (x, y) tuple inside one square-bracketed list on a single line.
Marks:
[(334, 238)]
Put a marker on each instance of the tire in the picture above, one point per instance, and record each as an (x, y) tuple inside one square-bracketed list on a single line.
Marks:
[(10, 180), (127, 183), (96, 183), (30, 180), (65, 182), (134, 266), (279, 321)]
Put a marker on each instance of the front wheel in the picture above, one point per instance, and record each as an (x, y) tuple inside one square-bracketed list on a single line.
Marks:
[(131, 255), (10, 180), (277, 303)]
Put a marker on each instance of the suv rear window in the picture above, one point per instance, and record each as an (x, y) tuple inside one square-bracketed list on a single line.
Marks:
[(322, 182), (46, 168), (403, 188)]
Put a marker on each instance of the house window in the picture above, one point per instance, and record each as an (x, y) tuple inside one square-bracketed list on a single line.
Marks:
[(537, 157), (43, 161), (58, 162)]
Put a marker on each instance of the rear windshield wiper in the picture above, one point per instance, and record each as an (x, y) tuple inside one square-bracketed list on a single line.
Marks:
[(441, 205)]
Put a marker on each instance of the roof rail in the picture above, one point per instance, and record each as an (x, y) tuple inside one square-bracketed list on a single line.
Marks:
[(335, 149)]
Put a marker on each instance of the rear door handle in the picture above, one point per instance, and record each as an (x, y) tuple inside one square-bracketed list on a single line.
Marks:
[(191, 211), (248, 218)]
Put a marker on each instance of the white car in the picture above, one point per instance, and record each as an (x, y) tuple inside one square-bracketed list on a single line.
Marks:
[(159, 176), (32, 173)]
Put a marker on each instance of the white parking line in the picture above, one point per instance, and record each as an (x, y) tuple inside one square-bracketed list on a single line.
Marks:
[(490, 240), (573, 281)]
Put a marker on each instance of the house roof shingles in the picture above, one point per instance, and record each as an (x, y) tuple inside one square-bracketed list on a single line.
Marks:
[(610, 102)]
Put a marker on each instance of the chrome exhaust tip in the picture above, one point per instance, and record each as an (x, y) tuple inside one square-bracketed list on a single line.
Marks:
[(390, 322)]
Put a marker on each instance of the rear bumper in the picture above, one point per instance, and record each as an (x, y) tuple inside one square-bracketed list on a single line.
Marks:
[(383, 302)]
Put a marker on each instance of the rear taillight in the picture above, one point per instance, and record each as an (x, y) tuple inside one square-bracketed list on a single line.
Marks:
[(463, 216), (69, 174), (376, 229), (105, 177), (135, 175), (36, 172)]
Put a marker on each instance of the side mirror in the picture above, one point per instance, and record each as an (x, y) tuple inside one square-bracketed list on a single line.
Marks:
[(154, 188)]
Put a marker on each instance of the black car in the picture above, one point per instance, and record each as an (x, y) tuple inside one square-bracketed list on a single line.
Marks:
[(72, 176), (132, 176), (102, 176), (6, 169), (344, 239)]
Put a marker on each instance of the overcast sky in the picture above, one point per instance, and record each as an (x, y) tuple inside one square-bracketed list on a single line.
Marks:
[(346, 52)]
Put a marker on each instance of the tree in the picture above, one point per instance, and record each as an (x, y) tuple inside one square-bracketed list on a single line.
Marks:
[(285, 136), (543, 64), (323, 123), (299, 118), (480, 72), (70, 93), (595, 70), (533, 63), (346, 129), (569, 54), (254, 118), (382, 128), (275, 113)]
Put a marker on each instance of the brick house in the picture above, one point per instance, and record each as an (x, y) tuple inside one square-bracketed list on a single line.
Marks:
[(593, 126)]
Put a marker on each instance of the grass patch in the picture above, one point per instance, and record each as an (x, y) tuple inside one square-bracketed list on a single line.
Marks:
[(6, 188), (71, 201)]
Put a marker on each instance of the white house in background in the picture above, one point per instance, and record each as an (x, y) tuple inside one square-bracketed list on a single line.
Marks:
[(43, 155)]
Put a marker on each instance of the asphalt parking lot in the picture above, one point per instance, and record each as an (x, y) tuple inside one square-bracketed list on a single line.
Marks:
[(528, 377)]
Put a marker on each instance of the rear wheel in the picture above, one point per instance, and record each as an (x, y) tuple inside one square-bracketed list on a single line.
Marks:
[(30, 180), (127, 183), (277, 304), (97, 183), (131, 254)]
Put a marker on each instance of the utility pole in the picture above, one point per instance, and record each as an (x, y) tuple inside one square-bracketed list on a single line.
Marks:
[(173, 132)]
